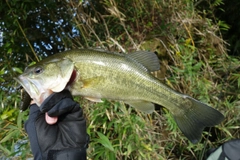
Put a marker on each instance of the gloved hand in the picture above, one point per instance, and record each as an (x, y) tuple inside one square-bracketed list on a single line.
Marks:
[(67, 138)]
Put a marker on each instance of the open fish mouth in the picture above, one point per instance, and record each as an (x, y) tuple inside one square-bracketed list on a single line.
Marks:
[(30, 87), (37, 89)]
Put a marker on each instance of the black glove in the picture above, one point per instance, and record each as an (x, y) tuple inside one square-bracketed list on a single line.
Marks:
[(65, 140)]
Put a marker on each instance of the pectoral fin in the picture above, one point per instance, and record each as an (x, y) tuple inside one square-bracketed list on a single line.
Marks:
[(89, 84), (143, 106)]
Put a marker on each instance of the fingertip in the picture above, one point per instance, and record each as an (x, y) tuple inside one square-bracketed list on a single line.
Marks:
[(50, 120)]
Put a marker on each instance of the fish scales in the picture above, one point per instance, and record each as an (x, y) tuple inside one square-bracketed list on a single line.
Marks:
[(116, 73)]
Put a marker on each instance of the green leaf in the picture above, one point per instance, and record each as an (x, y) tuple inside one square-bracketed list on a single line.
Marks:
[(2, 71), (32, 63), (7, 114), (18, 70), (19, 120), (105, 141), (9, 136), (5, 150), (9, 50)]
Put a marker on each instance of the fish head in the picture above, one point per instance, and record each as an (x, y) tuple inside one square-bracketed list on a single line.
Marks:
[(46, 77)]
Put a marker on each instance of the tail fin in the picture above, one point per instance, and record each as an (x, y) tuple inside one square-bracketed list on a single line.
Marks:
[(196, 118)]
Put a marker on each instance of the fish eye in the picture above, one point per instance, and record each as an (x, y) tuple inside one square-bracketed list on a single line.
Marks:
[(38, 70)]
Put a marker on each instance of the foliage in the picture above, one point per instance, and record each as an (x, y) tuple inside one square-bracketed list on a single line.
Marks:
[(185, 34), (229, 14)]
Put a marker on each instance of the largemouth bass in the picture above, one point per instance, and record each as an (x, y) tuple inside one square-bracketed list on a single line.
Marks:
[(96, 74)]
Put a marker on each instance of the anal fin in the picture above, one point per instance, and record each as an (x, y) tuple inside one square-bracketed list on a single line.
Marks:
[(93, 99), (143, 106)]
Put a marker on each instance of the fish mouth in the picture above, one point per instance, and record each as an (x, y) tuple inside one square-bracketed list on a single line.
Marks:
[(30, 87)]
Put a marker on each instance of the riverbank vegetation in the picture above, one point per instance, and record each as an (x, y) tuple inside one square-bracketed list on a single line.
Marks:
[(198, 57)]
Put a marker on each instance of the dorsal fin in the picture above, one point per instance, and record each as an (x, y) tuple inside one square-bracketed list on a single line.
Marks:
[(148, 59)]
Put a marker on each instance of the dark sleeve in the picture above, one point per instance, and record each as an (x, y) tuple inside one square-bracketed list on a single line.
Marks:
[(68, 134), (31, 130)]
